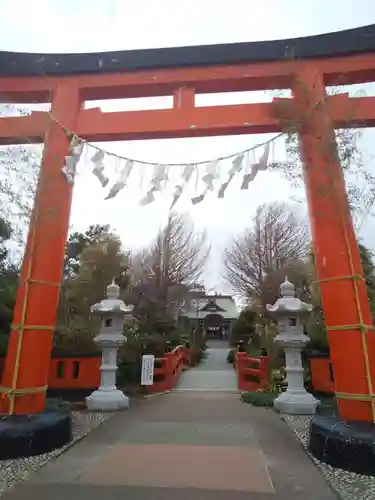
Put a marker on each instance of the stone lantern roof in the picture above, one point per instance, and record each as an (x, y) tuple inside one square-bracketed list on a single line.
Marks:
[(112, 304), (288, 303)]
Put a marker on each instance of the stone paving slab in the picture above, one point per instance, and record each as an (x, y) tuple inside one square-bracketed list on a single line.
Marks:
[(214, 374), (189, 433), (87, 492), (208, 380), (213, 407), (178, 466)]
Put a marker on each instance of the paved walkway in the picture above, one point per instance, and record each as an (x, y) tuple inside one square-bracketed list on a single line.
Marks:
[(214, 374), (193, 445)]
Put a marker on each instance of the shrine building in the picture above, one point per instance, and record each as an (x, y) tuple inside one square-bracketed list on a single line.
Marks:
[(215, 314)]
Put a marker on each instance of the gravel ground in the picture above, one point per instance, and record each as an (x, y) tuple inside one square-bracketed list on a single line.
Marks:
[(348, 485), (14, 471)]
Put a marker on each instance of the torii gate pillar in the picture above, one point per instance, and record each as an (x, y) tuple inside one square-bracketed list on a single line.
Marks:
[(344, 297), (29, 350)]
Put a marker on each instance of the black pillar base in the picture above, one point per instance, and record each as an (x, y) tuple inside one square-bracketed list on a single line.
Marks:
[(343, 444), (28, 435)]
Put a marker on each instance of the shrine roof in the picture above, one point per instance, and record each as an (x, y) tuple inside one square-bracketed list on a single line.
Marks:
[(342, 43), (225, 307)]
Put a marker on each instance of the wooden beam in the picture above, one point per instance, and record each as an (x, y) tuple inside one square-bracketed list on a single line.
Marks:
[(95, 125), (257, 118), (24, 129), (345, 111), (213, 79), (355, 112), (186, 121)]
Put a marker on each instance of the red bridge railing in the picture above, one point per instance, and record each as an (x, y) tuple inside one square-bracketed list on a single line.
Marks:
[(78, 371), (168, 369), (252, 372)]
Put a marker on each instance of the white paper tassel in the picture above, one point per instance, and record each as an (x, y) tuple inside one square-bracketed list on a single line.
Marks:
[(211, 173), (149, 198), (99, 167), (160, 176), (188, 172), (209, 177), (71, 161), (77, 149), (256, 167), (236, 167), (176, 195), (186, 176), (121, 181), (69, 169)]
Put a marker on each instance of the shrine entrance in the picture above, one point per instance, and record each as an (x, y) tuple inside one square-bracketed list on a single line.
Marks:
[(214, 326), (306, 66)]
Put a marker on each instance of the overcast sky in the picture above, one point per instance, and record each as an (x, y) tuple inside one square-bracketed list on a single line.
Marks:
[(97, 25)]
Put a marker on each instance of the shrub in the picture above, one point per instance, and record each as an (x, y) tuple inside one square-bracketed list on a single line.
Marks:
[(318, 338), (174, 339), (277, 379), (129, 373), (196, 356), (260, 398), (231, 356), (243, 329), (204, 345), (307, 378)]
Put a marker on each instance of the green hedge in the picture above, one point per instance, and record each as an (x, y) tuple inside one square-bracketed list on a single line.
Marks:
[(129, 373), (196, 355), (262, 398), (231, 358)]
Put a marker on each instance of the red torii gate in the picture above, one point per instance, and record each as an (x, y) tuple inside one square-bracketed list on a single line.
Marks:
[(305, 65)]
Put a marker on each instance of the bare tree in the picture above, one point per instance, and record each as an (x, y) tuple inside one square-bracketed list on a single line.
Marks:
[(173, 263), (278, 235), (355, 162), (179, 254), (19, 170), (181, 251), (300, 272)]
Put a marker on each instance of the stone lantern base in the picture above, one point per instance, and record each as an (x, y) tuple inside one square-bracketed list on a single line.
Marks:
[(107, 400), (296, 403)]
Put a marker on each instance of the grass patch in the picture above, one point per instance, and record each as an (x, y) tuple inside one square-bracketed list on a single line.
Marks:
[(263, 399)]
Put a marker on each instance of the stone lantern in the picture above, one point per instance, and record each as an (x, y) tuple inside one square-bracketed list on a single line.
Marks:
[(114, 312), (289, 313)]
